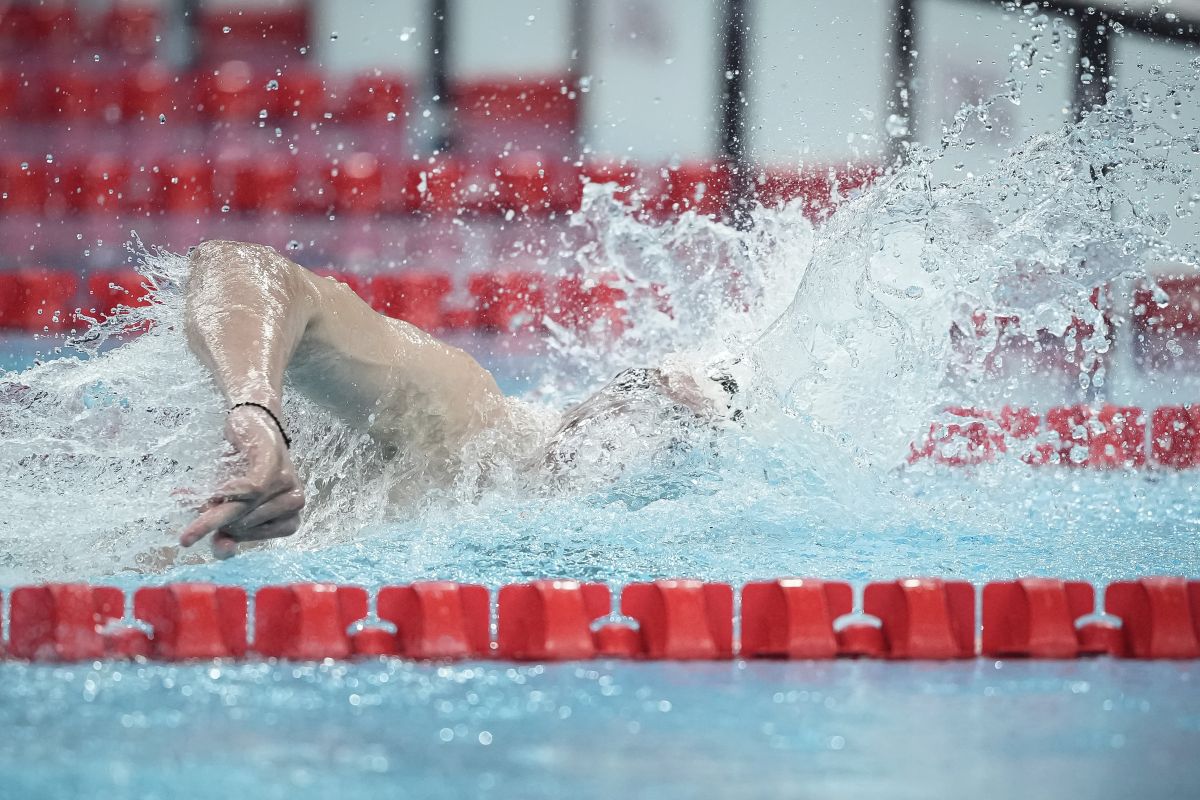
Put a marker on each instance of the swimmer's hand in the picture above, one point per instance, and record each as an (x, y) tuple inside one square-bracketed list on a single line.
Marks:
[(262, 501)]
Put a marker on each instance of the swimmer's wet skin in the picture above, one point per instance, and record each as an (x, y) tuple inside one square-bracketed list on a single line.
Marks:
[(251, 315)]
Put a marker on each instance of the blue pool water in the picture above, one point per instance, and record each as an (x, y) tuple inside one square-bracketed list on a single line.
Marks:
[(850, 336), (1099, 728), (600, 730)]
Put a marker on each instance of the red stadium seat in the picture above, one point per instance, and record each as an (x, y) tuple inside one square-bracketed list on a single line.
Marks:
[(10, 93), (302, 95), (234, 92), (626, 176), (588, 304), (38, 26), (261, 184), (533, 182), (1175, 436), (111, 288), (24, 186), (700, 187), (130, 28), (97, 185), (183, 185), (357, 183), (415, 297), (509, 301), (372, 97), (152, 91), (37, 299), (549, 101), (67, 95), (263, 35), (435, 188)]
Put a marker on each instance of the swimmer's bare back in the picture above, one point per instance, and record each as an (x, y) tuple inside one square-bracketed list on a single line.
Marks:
[(251, 315)]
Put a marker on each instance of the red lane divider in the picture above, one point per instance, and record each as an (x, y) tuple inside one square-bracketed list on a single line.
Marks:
[(793, 618), (307, 622), (924, 617), (1110, 437), (61, 622), (560, 620), (437, 619), (682, 620), (1035, 617), (194, 620), (1160, 616), (550, 620)]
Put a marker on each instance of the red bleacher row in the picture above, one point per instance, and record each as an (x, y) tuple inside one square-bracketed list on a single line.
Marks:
[(132, 28), (238, 91), (37, 300), (560, 620), (1109, 437), (366, 183)]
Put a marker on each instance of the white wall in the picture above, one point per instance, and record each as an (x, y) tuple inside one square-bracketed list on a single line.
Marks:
[(655, 78), (510, 37), (819, 80), (963, 57), (392, 35)]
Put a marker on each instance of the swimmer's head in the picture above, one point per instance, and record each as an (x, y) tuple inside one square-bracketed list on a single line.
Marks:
[(641, 413)]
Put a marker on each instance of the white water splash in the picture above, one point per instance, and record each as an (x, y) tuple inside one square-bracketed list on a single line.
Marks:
[(860, 355)]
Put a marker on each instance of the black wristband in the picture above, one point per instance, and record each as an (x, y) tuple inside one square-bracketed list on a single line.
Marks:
[(287, 442)]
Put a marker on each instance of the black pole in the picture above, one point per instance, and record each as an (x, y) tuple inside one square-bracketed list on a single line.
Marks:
[(1093, 62), (439, 73), (733, 113), (902, 106), (581, 34)]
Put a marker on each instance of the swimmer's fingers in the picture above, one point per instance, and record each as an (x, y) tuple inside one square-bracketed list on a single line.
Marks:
[(274, 529), (279, 506), (212, 520), (223, 545)]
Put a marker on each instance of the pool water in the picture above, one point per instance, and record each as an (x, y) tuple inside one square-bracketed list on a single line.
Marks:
[(598, 730), (841, 336)]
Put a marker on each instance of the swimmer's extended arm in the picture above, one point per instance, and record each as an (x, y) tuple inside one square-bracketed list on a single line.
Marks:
[(249, 314)]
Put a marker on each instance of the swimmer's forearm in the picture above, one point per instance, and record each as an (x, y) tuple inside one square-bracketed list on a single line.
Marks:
[(247, 308)]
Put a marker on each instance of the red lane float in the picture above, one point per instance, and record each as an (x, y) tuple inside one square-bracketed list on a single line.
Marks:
[(682, 619), (1110, 437), (1034, 617), (550, 620), (193, 620), (1159, 616), (793, 618), (62, 621), (307, 621), (924, 618), (437, 619)]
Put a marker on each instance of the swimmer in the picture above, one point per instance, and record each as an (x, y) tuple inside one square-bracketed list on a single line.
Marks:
[(251, 315)]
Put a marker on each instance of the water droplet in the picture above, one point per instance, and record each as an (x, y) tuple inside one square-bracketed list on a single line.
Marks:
[(914, 292), (272, 85), (262, 113), (49, 158), (333, 36), (226, 29), (391, 116), (162, 119), (426, 113), (294, 245)]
